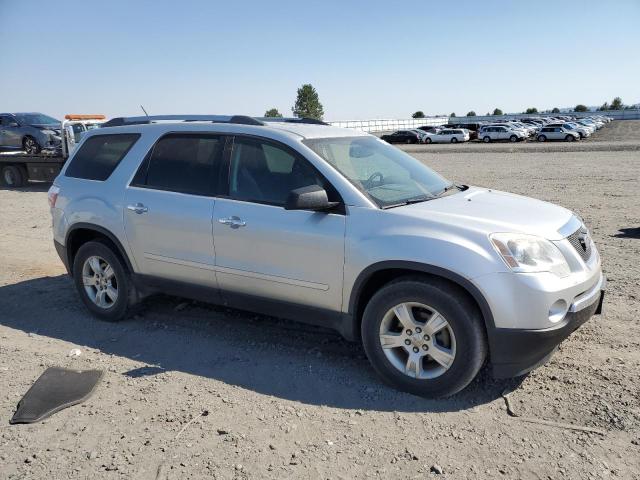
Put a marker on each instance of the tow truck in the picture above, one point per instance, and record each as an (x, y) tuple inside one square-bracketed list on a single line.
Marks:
[(18, 168)]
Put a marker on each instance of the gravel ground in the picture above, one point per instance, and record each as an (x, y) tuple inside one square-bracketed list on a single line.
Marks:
[(285, 400)]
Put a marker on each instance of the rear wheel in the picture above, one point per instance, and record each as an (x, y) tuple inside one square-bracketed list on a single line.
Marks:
[(486, 139), (102, 281), (424, 336), (13, 176), (428, 140), (454, 140), (30, 145)]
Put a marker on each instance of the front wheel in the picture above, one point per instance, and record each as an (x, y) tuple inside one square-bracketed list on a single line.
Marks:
[(428, 140), (569, 138), (486, 139), (30, 145), (542, 138), (424, 336), (103, 282), (513, 138)]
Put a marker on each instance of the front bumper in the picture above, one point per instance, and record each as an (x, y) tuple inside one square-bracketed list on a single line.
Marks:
[(515, 352)]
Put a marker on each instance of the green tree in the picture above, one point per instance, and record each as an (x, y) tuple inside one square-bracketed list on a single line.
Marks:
[(555, 110), (497, 111), (531, 110), (581, 108), (603, 107), (452, 114), (273, 113), (418, 114), (616, 104), (471, 113), (307, 103)]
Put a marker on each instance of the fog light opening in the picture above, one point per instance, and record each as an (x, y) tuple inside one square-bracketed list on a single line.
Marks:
[(557, 311)]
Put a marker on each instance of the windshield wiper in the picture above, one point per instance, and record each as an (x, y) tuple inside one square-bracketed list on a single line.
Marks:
[(409, 201)]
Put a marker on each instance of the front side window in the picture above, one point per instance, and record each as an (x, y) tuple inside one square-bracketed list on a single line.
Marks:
[(387, 175), (263, 172), (35, 119), (99, 155), (183, 163)]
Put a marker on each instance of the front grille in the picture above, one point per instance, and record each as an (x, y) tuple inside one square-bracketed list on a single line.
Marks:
[(581, 242)]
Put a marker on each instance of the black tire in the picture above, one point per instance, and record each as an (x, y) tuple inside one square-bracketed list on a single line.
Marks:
[(569, 138), (428, 140), (463, 317), (126, 290), (486, 139), (513, 138), (13, 176), (454, 140), (30, 145), (542, 138)]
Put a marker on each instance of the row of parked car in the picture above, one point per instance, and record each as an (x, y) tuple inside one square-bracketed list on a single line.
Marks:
[(542, 129)]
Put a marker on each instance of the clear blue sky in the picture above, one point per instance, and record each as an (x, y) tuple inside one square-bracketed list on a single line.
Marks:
[(367, 59)]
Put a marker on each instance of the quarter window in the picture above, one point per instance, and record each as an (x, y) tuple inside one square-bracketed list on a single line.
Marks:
[(99, 155), (184, 163)]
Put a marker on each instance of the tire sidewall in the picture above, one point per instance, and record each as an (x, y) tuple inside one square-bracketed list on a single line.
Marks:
[(17, 174), (463, 319), (119, 309)]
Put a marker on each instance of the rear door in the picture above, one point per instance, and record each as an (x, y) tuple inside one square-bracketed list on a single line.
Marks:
[(263, 250), (169, 208), (10, 135)]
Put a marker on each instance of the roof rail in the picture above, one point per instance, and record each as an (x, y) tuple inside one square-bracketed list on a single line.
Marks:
[(238, 119), (312, 121)]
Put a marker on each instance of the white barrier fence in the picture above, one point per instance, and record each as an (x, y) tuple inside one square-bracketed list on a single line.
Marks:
[(383, 125), (387, 125)]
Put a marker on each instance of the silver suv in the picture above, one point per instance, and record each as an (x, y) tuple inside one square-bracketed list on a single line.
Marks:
[(329, 226)]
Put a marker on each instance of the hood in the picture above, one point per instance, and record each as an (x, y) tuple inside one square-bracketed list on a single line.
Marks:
[(491, 211), (47, 126)]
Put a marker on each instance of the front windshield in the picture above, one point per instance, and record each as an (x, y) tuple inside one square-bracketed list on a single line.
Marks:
[(386, 174), (35, 119)]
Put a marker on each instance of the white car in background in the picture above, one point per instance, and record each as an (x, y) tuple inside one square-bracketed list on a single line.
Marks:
[(491, 133), (448, 135)]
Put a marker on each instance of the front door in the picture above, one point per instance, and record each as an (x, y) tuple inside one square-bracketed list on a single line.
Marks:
[(266, 251), (169, 207)]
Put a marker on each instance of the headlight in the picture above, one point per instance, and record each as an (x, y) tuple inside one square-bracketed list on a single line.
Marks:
[(530, 254)]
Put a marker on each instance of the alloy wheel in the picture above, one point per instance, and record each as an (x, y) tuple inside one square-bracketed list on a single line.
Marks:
[(100, 283), (417, 340)]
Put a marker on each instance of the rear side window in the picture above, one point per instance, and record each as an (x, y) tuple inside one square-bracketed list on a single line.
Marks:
[(99, 155), (184, 163)]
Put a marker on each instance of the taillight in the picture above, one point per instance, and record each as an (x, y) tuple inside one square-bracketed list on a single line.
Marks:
[(52, 195)]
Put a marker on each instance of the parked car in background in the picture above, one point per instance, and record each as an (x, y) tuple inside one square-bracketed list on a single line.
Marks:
[(448, 135), (472, 128), (557, 133), (491, 133), (401, 136), (583, 131), (30, 132), (431, 128), (422, 135)]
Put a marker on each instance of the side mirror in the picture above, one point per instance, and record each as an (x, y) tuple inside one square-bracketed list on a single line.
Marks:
[(13, 124), (313, 197)]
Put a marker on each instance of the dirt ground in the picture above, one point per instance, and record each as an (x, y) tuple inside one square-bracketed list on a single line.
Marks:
[(285, 400)]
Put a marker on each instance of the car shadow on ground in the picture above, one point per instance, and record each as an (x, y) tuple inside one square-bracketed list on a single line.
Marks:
[(633, 232), (284, 359)]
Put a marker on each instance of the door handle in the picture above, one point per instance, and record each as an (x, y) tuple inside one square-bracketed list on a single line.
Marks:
[(138, 208), (233, 222)]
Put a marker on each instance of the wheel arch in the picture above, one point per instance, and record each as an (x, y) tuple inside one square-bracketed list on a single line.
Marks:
[(81, 233), (375, 276)]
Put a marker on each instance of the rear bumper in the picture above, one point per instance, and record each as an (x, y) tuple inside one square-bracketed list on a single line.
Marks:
[(62, 253), (515, 352)]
